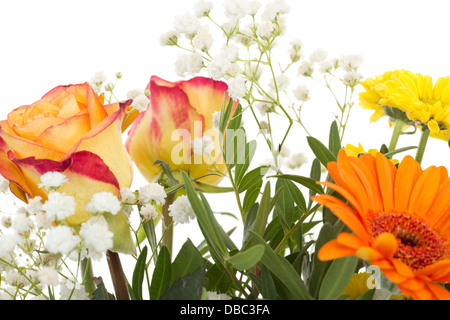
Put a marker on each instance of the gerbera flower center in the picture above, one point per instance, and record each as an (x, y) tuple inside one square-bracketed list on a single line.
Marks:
[(418, 244)]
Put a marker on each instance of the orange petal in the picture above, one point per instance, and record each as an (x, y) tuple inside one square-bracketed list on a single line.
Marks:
[(96, 111), (25, 148), (206, 96), (407, 174), (439, 292), (334, 250), (352, 180), (368, 254), (345, 213), (386, 244), (65, 135), (386, 177), (424, 192), (402, 268), (105, 140)]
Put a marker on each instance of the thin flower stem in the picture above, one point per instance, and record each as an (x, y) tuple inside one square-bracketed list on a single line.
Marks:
[(88, 274), (398, 128), (168, 223), (422, 144), (117, 275)]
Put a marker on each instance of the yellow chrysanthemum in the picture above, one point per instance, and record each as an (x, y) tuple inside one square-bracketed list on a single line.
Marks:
[(357, 286), (370, 99), (354, 151), (425, 104)]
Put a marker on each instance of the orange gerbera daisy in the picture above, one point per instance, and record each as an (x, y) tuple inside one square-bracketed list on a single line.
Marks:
[(400, 218)]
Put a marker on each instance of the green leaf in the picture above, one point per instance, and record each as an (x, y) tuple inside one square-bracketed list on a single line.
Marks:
[(268, 289), (243, 160), (161, 275), (337, 278), (391, 153), (283, 270), (252, 178), (189, 287), (304, 181), (118, 224), (208, 224), (236, 119), (187, 261), (247, 259), (225, 113), (101, 293), (208, 188), (334, 142), (168, 171), (323, 154), (217, 280), (138, 274), (251, 195)]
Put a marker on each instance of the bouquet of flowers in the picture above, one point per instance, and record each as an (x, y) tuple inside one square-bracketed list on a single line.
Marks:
[(343, 223)]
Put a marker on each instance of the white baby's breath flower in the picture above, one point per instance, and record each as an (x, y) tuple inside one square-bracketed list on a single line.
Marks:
[(22, 223), (202, 8), (318, 55), (301, 93), (265, 29), (152, 192), (187, 24), (296, 160), (126, 195), (73, 291), (326, 66), (202, 41), (97, 236), (61, 239), (263, 107), (351, 78), (216, 120), (351, 62), (188, 64), (236, 9), (306, 69), (253, 7), (98, 78), (274, 8), (282, 82), (237, 87), (181, 210), (104, 202), (52, 180), (48, 276), (34, 205), (8, 243), (141, 102), (132, 94), (203, 145), (4, 184), (148, 212), (59, 206), (169, 38)]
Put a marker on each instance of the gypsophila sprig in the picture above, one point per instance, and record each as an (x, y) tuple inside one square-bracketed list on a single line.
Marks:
[(181, 210), (52, 180), (102, 202)]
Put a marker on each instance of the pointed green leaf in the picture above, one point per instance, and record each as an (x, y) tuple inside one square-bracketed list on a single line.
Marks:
[(247, 259), (323, 154), (187, 261), (337, 278), (283, 270), (138, 274), (161, 274), (268, 289), (118, 224), (189, 287), (334, 142)]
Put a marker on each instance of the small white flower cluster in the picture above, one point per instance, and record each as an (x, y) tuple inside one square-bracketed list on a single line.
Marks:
[(140, 99), (203, 145), (150, 197), (181, 210)]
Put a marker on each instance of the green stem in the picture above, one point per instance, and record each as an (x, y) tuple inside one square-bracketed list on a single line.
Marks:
[(117, 275), (398, 129), (88, 276), (167, 239), (422, 144)]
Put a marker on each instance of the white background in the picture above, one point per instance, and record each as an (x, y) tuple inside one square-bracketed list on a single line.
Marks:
[(48, 43)]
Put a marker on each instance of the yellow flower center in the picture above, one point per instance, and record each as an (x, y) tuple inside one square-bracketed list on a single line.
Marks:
[(419, 245)]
